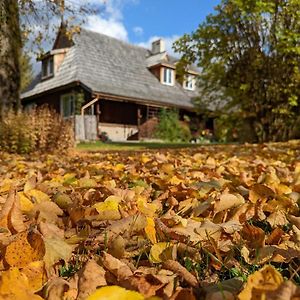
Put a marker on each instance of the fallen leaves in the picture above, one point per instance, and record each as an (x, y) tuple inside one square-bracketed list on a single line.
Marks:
[(205, 223), (27, 247)]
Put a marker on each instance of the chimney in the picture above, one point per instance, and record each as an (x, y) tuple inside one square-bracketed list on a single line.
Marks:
[(158, 46)]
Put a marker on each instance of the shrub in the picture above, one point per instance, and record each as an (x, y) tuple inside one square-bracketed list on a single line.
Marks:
[(169, 127), (40, 129)]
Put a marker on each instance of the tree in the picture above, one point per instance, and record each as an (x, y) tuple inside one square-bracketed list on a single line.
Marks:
[(26, 71), (250, 50), (19, 20), (10, 45)]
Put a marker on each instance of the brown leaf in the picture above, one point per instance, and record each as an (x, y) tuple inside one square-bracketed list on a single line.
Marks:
[(275, 237), (254, 236), (91, 276), (183, 294), (11, 215), (147, 284), (259, 192), (116, 267), (47, 211), (56, 289), (178, 269)]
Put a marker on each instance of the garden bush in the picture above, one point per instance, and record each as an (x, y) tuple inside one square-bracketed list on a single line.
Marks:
[(40, 129), (170, 128)]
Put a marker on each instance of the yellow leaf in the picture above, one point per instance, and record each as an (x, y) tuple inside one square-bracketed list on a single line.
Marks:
[(115, 293), (150, 230), (87, 183), (175, 180), (160, 252), (36, 275), (38, 196), (69, 178), (283, 189), (109, 209), (146, 208), (119, 167), (5, 185), (14, 285), (145, 159), (25, 204), (167, 168), (26, 248), (259, 283)]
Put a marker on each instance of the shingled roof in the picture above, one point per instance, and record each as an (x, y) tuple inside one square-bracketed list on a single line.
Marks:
[(109, 66)]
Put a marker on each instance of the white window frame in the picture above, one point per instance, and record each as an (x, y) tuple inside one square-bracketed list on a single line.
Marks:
[(168, 76), (70, 98), (189, 82)]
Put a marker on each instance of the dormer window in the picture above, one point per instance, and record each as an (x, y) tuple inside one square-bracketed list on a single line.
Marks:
[(168, 76), (189, 82), (47, 67)]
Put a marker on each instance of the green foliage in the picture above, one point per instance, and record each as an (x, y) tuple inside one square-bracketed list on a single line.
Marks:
[(38, 130), (249, 52), (169, 127), (78, 103)]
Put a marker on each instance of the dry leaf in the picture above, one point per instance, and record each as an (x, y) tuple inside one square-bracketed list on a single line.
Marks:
[(115, 266), (91, 276), (37, 196), (11, 215), (162, 251), (47, 211), (56, 249), (228, 201), (26, 248), (150, 230), (15, 285), (260, 282), (36, 275)]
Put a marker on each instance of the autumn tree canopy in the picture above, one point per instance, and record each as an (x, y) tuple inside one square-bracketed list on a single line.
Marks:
[(28, 20), (250, 50)]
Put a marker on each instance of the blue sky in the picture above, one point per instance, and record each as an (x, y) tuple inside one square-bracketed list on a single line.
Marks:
[(142, 21)]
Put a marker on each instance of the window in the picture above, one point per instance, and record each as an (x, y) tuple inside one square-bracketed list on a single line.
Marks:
[(189, 82), (168, 76), (67, 105), (47, 67)]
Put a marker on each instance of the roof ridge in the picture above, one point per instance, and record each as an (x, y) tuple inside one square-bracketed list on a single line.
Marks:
[(116, 39)]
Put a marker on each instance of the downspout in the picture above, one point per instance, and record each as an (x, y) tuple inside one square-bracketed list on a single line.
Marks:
[(84, 107)]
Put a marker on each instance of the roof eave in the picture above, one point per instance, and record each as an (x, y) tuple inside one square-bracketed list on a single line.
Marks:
[(57, 89), (139, 100)]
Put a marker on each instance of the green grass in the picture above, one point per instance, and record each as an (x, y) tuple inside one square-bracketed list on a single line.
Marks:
[(119, 146)]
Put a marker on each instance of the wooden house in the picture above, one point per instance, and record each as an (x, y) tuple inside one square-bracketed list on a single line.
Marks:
[(121, 85)]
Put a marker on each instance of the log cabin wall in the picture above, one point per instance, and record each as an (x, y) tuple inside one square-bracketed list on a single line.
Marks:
[(53, 99)]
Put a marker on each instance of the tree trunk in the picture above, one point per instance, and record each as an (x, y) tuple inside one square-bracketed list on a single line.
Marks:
[(10, 47)]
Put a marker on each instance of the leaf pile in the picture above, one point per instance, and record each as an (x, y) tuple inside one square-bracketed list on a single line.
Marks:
[(216, 222)]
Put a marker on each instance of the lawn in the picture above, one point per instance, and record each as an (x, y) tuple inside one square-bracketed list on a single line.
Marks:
[(123, 146), (205, 222)]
